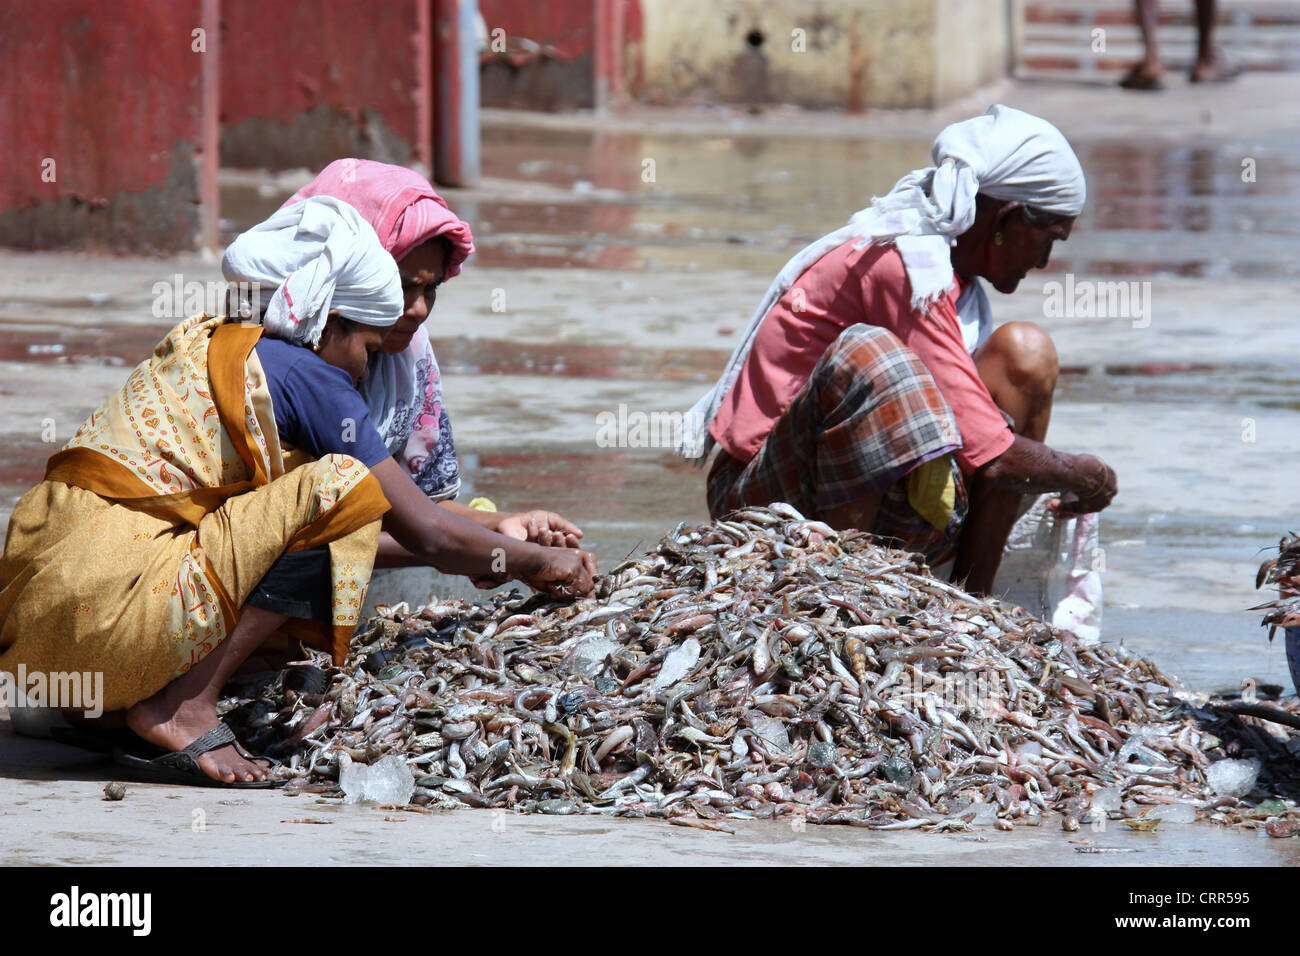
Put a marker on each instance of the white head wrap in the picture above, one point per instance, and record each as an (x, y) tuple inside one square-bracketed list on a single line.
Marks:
[(1005, 154), (319, 254)]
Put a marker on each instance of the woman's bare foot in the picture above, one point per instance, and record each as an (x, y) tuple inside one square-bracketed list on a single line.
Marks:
[(175, 724), (186, 708)]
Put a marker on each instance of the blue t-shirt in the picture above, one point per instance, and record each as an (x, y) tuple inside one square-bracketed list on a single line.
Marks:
[(316, 406)]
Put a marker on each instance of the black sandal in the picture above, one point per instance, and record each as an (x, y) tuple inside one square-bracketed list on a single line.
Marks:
[(182, 766), (1137, 78)]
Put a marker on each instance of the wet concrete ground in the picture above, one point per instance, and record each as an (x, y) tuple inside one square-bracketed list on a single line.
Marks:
[(594, 288), (53, 812)]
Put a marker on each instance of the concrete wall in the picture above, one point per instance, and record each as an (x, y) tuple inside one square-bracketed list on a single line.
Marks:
[(355, 81), (850, 54), (107, 115), (974, 43)]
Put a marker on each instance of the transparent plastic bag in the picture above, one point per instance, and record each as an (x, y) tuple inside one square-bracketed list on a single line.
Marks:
[(1052, 568)]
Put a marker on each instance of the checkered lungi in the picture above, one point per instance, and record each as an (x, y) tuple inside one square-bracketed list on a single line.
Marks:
[(869, 414)]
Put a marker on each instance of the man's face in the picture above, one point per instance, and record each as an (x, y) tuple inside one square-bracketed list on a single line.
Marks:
[(1025, 245), (422, 271)]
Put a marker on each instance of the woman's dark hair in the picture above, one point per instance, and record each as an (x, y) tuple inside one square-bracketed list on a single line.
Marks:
[(448, 247)]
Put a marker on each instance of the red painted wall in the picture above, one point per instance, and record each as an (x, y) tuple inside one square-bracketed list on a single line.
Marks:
[(567, 25), (549, 59), (113, 94), (304, 83), (584, 44)]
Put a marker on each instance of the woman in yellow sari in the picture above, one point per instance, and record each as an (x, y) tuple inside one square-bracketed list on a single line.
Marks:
[(197, 511)]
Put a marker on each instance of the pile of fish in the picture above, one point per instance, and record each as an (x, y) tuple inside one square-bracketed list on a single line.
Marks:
[(761, 666)]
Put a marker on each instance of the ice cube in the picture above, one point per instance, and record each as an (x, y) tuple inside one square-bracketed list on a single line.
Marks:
[(386, 781), (774, 735), (1232, 778), (587, 658), (1107, 800), (822, 755), (1175, 813), (984, 814), (898, 770)]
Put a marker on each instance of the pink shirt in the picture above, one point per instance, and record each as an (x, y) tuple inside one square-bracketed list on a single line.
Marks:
[(845, 287)]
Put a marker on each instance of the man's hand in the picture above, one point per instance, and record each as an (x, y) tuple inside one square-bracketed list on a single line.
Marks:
[(1086, 482), (1095, 496), (563, 573), (541, 527)]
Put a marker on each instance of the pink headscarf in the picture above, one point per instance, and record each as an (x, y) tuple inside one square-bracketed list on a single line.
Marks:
[(398, 202)]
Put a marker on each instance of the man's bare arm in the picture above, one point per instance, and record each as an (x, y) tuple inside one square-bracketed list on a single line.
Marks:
[(1030, 467)]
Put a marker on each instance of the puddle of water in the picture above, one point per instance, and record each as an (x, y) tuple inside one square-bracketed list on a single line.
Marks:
[(494, 357), (124, 345), (640, 193), (629, 200), (1244, 386)]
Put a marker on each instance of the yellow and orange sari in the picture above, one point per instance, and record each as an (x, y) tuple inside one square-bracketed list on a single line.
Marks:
[(162, 514)]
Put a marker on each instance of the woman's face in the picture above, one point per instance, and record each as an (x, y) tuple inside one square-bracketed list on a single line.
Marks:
[(349, 350), (422, 272)]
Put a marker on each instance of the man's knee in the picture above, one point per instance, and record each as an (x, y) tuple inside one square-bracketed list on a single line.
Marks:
[(1028, 355)]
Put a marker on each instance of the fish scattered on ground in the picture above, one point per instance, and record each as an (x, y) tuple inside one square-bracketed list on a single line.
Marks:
[(762, 666), (1284, 571)]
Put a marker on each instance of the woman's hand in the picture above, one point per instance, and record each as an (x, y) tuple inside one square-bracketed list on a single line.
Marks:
[(541, 527), (564, 573), (425, 533), (485, 582)]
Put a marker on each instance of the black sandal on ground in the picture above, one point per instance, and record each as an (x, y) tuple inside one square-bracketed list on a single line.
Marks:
[(1137, 78), (182, 766)]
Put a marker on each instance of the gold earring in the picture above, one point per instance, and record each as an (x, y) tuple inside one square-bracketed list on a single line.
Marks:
[(997, 239)]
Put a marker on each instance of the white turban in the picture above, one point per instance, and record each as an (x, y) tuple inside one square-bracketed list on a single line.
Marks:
[(1005, 154), (319, 254)]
